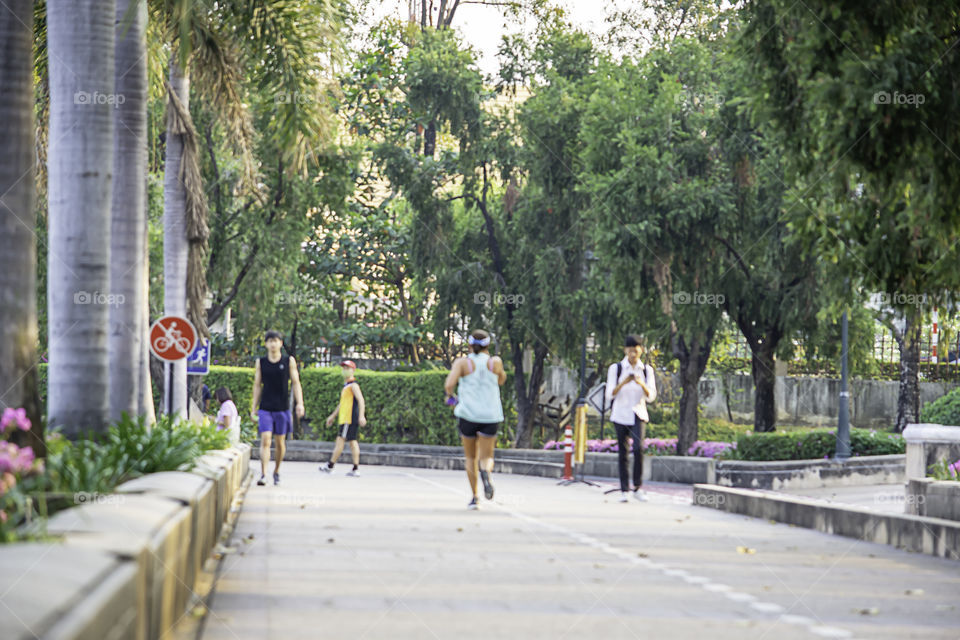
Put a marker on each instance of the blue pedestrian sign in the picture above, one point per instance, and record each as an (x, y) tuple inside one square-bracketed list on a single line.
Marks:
[(198, 364)]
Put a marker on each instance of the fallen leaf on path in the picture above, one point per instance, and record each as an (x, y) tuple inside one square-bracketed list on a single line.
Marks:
[(914, 592), (746, 550)]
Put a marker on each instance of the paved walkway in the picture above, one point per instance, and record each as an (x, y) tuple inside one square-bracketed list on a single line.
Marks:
[(395, 554)]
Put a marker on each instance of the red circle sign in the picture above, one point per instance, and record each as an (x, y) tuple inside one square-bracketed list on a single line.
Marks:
[(172, 338)]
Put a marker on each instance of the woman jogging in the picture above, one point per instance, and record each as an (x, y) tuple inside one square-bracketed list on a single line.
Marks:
[(477, 379)]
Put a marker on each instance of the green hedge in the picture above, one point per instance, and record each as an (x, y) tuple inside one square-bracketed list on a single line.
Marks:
[(943, 410), (809, 444), (401, 406)]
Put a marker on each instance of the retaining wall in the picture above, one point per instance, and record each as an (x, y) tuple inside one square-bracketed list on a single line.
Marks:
[(123, 565), (932, 536)]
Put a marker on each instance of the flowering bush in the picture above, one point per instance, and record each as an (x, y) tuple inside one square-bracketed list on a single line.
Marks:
[(15, 464), (655, 447), (944, 471)]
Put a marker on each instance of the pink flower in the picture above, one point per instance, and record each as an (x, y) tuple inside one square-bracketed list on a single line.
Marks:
[(18, 416)]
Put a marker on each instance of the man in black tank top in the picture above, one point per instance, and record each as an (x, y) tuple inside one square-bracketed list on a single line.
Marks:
[(271, 402)]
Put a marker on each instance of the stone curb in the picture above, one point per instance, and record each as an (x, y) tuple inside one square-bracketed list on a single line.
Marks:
[(931, 536), (125, 564)]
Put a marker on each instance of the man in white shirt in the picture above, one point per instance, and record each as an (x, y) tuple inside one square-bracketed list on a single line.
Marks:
[(630, 385)]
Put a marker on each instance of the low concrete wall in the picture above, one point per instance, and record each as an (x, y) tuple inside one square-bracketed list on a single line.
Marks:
[(799, 399), (933, 498), (928, 444), (931, 536), (679, 469), (125, 564), (807, 474), (531, 462)]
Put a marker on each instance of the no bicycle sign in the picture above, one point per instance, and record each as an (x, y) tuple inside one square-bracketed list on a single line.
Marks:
[(172, 338)]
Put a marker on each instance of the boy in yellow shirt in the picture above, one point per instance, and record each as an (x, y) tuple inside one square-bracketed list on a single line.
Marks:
[(351, 415)]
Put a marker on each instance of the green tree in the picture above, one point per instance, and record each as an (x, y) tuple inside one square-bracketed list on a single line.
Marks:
[(661, 192), (771, 283), (78, 256), (18, 221), (865, 98)]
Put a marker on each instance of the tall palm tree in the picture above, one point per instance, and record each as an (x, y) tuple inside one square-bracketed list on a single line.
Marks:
[(18, 251), (180, 185), (128, 210), (280, 43), (80, 47)]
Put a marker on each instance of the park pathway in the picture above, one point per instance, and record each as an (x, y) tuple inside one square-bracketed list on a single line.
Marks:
[(395, 554)]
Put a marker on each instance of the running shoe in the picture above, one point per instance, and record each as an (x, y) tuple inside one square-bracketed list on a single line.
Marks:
[(353, 473), (487, 487), (262, 481), (640, 495), (473, 504), (326, 468), (276, 478), (623, 497)]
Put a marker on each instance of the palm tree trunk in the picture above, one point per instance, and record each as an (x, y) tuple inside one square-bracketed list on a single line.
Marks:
[(129, 217), (80, 42), (175, 247), (18, 218)]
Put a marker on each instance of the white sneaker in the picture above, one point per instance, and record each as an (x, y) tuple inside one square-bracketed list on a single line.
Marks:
[(353, 473), (623, 497), (325, 469), (640, 495)]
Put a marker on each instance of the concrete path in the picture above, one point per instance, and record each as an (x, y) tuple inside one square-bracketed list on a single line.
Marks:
[(395, 554)]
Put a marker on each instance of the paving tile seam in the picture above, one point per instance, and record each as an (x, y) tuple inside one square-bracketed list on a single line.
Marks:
[(813, 626)]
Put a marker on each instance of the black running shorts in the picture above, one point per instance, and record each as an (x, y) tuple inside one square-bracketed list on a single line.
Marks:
[(471, 429), (349, 431)]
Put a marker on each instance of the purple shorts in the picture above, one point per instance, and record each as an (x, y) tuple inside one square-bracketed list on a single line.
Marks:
[(278, 422)]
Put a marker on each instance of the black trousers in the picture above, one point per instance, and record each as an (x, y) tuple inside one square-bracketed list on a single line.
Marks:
[(635, 431)]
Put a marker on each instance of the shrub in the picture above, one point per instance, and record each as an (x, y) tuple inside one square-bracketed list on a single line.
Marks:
[(943, 410), (808, 444), (97, 464), (709, 429), (942, 470), (401, 406), (654, 447)]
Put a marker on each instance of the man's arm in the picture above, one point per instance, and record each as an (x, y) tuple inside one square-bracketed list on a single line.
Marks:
[(358, 396), (297, 388), (256, 391), (651, 387)]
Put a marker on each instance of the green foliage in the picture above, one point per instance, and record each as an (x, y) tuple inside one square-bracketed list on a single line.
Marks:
[(864, 96), (400, 406), (943, 410), (709, 429), (810, 444), (945, 470), (129, 449), (75, 472)]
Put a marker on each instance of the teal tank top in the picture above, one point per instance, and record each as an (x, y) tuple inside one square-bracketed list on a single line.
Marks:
[(478, 394)]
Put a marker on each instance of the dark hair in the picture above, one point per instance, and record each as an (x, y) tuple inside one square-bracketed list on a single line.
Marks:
[(633, 340), (223, 394), (273, 334), (479, 334)]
